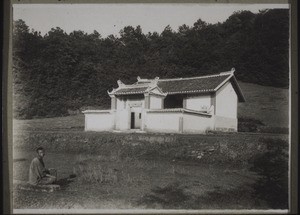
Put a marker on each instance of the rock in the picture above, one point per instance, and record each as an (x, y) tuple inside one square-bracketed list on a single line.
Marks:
[(24, 185)]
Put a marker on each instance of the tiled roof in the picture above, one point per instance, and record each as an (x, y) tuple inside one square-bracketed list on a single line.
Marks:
[(131, 90), (202, 84), (197, 84)]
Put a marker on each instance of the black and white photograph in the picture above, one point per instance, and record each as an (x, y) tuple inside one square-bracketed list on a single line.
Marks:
[(151, 108)]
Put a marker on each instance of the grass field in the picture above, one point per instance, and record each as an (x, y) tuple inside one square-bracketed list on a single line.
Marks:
[(127, 171), (270, 105), (157, 171)]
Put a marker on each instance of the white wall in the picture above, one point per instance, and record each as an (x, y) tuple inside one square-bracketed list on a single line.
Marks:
[(155, 102), (127, 103), (162, 122), (122, 119), (99, 121), (120, 104), (226, 101), (135, 103), (196, 102), (193, 123)]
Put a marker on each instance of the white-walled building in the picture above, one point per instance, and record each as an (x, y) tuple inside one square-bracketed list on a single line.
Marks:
[(179, 105)]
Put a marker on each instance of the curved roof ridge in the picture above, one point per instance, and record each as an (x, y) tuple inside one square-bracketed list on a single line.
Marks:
[(135, 86), (197, 77)]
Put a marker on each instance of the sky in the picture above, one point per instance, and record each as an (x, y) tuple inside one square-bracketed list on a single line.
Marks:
[(111, 18)]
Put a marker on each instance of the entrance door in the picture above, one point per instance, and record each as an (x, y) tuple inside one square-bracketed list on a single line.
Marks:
[(136, 118)]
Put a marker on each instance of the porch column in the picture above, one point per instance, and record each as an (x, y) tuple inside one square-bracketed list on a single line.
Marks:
[(213, 102), (184, 103), (180, 124), (113, 102), (143, 124), (147, 101)]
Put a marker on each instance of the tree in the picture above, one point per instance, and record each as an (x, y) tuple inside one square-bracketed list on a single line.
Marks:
[(60, 71)]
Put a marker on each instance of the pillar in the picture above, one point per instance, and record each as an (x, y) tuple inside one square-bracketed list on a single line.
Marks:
[(184, 103), (113, 102), (180, 124), (147, 101)]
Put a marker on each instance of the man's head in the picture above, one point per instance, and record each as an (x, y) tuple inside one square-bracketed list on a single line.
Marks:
[(41, 152)]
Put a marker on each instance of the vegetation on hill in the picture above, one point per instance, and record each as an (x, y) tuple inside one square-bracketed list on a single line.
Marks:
[(59, 72), (264, 107)]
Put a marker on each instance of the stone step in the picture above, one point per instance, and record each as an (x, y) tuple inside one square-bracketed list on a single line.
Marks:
[(24, 185)]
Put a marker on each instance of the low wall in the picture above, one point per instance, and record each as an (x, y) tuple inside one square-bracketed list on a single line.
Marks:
[(162, 122), (122, 120), (195, 123), (99, 121), (178, 121)]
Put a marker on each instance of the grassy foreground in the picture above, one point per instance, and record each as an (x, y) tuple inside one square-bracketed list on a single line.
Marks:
[(107, 183), (155, 171)]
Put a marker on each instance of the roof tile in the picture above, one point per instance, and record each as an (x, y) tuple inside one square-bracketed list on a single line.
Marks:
[(198, 84), (131, 90), (202, 84)]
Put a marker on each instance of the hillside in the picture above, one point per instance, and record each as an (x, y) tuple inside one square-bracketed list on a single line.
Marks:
[(270, 105)]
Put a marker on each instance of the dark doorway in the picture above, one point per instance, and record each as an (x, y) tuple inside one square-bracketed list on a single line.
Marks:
[(173, 101), (132, 120)]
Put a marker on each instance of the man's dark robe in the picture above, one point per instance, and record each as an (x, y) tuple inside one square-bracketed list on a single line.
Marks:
[(37, 171)]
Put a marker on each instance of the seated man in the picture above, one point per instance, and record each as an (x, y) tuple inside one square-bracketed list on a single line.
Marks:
[(38, 174)]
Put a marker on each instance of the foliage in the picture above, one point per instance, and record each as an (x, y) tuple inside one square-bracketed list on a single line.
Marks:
[(59, 72)]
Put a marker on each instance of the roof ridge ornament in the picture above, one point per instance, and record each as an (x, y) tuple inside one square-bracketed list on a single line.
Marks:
[(120, 83), (231, 72), (154, 82), (111, 92)]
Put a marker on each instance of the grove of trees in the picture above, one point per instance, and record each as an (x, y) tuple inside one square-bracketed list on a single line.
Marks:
[(56, 73)]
